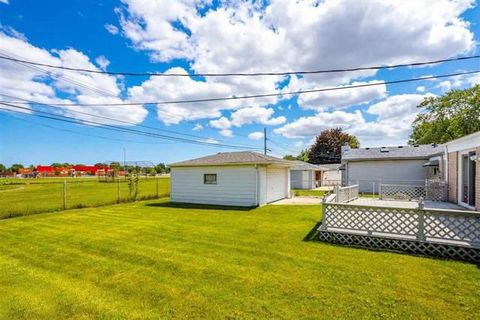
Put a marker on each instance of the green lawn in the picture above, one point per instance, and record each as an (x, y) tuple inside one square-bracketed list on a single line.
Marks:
[(308, 193), (20, 197), (151, 260)]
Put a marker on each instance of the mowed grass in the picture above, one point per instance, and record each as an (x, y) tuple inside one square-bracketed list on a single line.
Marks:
[(20, 197), (152, 260), (308, 193)]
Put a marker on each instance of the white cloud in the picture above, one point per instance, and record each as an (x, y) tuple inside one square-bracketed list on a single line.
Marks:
[(255, 135), (35, 85), (338, 98), (398, 106), (392, 125), (197, 127), (421, 89), (247, 37), (221, 123), (256, 115), (313, 125), (226, 133), (4, 1), (102, 62), (111, 28)]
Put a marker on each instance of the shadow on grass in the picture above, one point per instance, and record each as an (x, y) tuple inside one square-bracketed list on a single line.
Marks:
[(312, 234), (197, 206)]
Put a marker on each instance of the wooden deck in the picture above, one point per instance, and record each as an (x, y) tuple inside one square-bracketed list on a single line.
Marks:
[(439, 229)]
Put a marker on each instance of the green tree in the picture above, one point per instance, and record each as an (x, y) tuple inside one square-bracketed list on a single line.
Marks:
[(161, 168), (289, 157), (2, 168), (328, 145), (304, 155), (447, 117), (15, 167)]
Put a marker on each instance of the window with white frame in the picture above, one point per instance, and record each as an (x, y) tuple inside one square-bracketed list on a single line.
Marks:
[(210, 178)]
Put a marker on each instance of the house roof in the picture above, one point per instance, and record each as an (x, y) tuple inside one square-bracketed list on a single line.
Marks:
[(301, 165), (400, 152), (329, 166), (232, 158)]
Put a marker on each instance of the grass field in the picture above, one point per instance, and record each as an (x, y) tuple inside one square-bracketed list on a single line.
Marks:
[(20, 197), (152, 260)]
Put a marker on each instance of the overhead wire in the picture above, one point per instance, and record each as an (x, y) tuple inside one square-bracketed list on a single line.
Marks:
[(249, 74), (266, 95), (91, 123)]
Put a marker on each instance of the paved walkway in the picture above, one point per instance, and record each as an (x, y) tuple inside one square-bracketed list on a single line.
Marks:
[(299, 201)]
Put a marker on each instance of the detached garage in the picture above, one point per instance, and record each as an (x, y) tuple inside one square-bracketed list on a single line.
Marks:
[(230, 178)]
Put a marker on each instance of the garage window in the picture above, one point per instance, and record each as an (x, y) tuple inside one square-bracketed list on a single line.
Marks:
[(210, 178)]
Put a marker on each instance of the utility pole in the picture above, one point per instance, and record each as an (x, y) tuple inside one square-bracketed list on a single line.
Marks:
[(265, 141)]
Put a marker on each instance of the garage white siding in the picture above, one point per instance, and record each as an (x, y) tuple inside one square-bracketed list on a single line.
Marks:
[(302, 179), (385, 171), (277, 183), (236, 185)]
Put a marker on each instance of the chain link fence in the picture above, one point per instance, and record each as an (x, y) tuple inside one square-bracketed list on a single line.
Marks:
[(19, 197)]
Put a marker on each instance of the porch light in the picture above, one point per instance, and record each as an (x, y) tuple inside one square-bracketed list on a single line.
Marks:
[(473, 158)]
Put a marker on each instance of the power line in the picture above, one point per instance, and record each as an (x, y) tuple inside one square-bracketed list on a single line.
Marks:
[(67, 119), (266, 95), (111, 119), (75, 132), (157, 74)]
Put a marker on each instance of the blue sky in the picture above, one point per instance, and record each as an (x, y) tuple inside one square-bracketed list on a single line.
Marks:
[(204, 36)]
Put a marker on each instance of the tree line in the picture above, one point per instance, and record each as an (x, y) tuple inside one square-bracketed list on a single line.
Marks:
[(157, 169)]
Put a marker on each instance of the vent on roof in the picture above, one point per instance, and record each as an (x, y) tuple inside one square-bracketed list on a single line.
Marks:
[(367, 148), (415, 145), (400, 147), (383, 149), (434, 145)]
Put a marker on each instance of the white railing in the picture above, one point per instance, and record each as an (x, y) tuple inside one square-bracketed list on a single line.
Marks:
[(432, 190), (346, 194), (452, 226)]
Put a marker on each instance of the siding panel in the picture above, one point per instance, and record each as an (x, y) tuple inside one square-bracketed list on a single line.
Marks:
[(235, 185)]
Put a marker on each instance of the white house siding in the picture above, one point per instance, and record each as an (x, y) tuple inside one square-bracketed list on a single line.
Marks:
[(302, 179), (370, 173), (332, 177), (277, 183), (236, 185)]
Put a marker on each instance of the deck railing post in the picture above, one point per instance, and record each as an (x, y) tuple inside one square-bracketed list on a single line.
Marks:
[(421, 225)]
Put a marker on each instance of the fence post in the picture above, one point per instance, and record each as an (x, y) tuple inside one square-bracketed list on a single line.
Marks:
[(373, 188), (421, 220), (118, 189), (156, 180), (323, 226), (64, 194), (336, 193), (380, 190)]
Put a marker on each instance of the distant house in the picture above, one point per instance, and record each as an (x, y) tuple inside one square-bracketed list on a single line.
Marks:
[(463, 175), (304, 175), (408, 165), (329, 174), (230, 178)]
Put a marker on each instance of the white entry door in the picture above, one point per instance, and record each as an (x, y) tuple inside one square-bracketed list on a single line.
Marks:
[(276, 184)]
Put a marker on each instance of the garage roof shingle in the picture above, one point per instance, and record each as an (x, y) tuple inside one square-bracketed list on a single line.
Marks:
[(401, 152), (230, 158)]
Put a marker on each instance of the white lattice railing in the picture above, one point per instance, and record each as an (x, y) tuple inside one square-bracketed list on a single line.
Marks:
[(432, 191), (407, 223), (346, 194), (401, 192)]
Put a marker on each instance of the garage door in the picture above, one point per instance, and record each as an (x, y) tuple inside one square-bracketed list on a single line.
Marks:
[(276, 184)]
